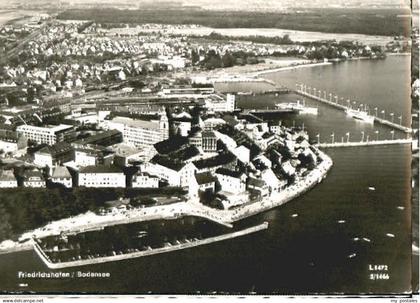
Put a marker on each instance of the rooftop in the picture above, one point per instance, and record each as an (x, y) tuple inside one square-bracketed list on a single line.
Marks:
[(136, 123), (228, 172), (170, 145), (221, 159), (208, 134), (54, 128), (256, 182), (100, 169), (204, 178), (170, 163), (32, 173), (53, 150), (7, 175), (99, 137), (60, 172)]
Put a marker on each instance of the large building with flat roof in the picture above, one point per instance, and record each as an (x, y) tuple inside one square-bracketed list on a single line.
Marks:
[(141, 133), (49, 134)]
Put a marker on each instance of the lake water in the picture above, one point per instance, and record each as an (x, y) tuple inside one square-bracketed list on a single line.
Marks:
[(309, 253)]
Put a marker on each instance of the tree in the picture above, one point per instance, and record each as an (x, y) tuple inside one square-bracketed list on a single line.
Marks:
[(195, 58), (5, 227), (228, 60)]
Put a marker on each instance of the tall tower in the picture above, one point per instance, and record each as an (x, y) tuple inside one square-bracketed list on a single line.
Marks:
[(230, 102), (164, 126)]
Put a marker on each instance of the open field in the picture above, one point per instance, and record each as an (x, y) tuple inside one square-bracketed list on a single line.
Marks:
[(7, 16), (384, 22), (295, 35)]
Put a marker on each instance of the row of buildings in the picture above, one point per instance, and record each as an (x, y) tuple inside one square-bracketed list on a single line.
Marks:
[(90, 176)]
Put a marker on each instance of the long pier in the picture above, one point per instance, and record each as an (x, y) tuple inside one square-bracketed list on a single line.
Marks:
[(44, 257), (305, 91), (364, 143)]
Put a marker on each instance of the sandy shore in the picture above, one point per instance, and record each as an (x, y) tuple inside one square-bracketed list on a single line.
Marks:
[(245, 70), (279, 69)]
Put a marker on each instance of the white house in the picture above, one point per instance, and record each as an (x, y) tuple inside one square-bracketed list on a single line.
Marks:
[(52, 155), (288, 168), (12, 144), (176, 174), (259, 185), (101, 176), (33, 178), (88, 156), (274, 183), (61, 174), (144, 180), (242, 153), (231, 181), (7, 179)]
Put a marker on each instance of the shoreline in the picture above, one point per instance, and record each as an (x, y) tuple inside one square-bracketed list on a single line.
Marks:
[(284, 68), (173, 211), (398, 54)]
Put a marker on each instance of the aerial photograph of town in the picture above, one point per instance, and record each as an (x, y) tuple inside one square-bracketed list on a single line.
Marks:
[(209, 147)]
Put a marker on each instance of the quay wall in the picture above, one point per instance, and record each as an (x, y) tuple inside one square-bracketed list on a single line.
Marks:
[(52, 265)]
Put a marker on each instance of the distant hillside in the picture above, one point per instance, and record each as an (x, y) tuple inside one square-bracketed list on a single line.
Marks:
[(386, 22)]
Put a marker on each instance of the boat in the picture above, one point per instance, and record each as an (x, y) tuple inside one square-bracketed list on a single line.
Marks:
[(360, 115), (301, 108), (294, 215), (341, 221), (400, 207), (366, 239), (248, 93), (23, 284), (351, 256), (141, 234), (372, 188), (415, 249), (390, 235), (356, 239)]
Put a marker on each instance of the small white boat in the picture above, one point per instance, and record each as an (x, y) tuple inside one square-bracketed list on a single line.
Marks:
[(401, 207), (371, 188), (366, 239), (360, 115), (294, 215), (341, 221), (351, 256), (390, 235), (356, 239), (248, 93), (415, 249), (23, 284), (300, 108)]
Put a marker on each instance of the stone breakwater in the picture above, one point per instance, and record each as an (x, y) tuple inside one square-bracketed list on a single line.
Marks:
[(44, 257)]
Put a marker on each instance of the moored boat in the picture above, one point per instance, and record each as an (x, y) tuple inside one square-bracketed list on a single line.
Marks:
[(360, 115)]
